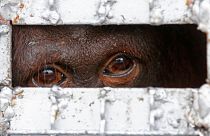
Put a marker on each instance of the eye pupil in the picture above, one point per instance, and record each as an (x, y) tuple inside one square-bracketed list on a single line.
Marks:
[(123, 63), (48, 71), (47, 75)]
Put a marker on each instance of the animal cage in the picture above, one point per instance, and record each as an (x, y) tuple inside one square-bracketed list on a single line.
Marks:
[(101, 111)]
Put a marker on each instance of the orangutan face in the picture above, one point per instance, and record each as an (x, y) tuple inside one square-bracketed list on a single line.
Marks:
[(116, 56)]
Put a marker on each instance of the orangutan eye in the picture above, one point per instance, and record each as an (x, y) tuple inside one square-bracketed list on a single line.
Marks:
[(120, 65), (120, 69), (48, 76)]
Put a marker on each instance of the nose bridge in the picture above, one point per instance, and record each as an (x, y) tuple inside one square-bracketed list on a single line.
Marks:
[(90, 82), (85, 75)]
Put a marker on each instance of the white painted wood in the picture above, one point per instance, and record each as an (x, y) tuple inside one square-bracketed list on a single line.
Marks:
[(127, 111), (96, 12), (32, 110), (5, 55)]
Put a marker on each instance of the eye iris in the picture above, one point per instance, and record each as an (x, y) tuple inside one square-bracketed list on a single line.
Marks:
[(120, 65)]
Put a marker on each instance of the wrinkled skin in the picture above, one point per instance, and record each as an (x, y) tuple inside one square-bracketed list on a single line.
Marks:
[(166, 56)]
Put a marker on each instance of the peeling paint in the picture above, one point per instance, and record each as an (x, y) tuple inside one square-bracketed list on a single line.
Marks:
[(4, 29), (189, 2), (16, 19), (199, 116), (201, 14), (168, 109), (21, 5), (7, 112), (5, 53), (169, 12), (156, 15), (59, 99), (50, 14), (103, 12), (3, 21)]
